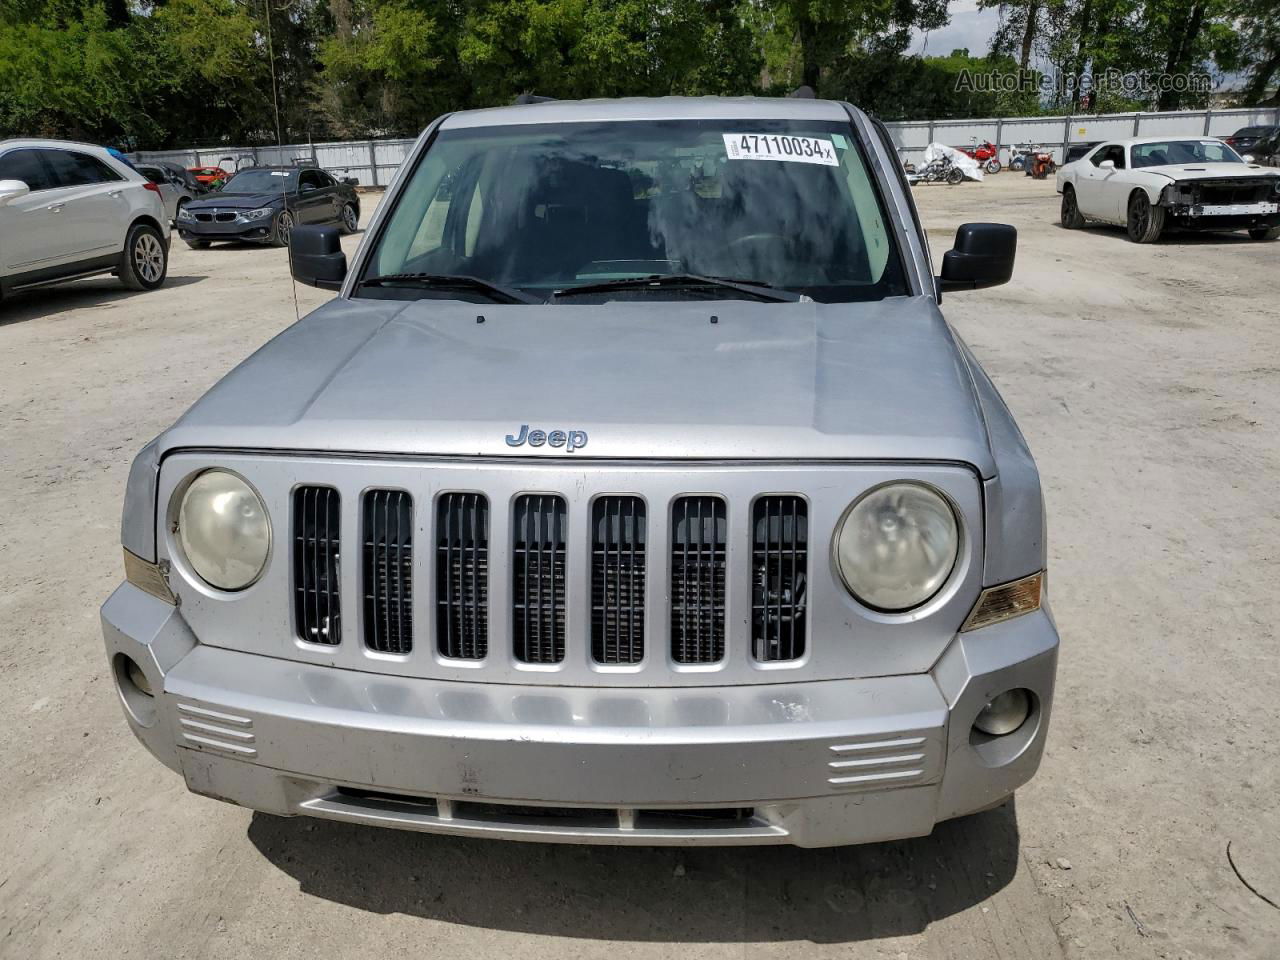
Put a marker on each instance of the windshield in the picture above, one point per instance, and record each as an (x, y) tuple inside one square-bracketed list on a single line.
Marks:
[(260, 181), (547, 207), (1183, 151)]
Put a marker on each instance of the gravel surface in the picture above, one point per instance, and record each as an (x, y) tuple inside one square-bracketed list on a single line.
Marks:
[(1147, 380)]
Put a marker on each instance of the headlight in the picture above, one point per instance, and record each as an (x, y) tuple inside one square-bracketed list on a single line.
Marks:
[(257, 214), (896, 546), (185, 214), (224, 530)]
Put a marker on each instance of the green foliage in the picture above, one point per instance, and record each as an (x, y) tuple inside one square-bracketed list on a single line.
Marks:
[(156, 73)]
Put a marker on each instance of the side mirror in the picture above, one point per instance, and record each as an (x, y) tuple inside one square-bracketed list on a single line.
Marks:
[(982, 257), (316, 257), (12, 190), (1107, 165)]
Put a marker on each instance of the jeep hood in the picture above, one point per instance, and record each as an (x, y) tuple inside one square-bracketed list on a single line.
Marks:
[(659, 380)]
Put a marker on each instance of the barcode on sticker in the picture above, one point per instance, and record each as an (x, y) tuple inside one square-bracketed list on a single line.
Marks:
[(780, 146)]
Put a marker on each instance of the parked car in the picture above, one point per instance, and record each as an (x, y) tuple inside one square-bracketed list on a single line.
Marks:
[(1265, 151), (71, 210), (1152, 184), (188, 179), (459, 553), (210, 176), (173, 190), (263, 204), (1246, 138)]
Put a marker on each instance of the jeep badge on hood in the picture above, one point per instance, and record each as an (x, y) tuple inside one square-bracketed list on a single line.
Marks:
[(571, 440)]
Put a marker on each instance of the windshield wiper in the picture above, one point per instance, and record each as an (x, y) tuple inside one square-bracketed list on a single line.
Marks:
[(450, 281), (687, 281)]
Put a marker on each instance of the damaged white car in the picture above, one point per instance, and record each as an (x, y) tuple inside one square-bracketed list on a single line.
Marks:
[(1153, 184)]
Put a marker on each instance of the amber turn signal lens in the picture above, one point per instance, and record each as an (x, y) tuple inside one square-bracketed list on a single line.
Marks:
[(1005, 602)]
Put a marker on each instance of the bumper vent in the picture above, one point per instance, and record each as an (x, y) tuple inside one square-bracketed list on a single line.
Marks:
[(779, 561), (388, 571), (462, 576), (317, 512), (699, 532), (618, 538), (538, 568)]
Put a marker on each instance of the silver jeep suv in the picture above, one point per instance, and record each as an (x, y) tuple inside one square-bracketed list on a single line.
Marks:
[(633, 489)]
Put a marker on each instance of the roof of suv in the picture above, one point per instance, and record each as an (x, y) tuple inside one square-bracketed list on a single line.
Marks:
[(651, 108)]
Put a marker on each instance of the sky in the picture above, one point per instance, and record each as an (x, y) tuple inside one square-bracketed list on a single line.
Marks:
[(969, 27)]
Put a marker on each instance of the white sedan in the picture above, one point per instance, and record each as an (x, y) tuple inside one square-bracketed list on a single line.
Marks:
[(1151, 184)]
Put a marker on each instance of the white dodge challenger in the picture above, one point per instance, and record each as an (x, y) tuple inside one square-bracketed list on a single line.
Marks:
[(1152, 184)]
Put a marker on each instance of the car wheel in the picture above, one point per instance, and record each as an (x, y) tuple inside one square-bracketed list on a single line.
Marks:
[(145, 261), (1145, 221), (1264, 233), (1071, 218), (197, 244), (350, 219), (283, 229)]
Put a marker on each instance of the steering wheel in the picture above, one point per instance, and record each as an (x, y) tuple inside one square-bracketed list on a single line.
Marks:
[(756, 238)]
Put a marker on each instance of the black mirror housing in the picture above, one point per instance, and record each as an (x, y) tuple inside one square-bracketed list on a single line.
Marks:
[(982, 256), (316, 257)]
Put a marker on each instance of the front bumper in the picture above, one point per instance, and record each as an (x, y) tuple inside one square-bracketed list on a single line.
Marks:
[(259, 231), (821, 763)]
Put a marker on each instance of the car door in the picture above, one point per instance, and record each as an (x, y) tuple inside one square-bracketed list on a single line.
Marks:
[(29, 226), (92, 203), (312, 202), (1095, 190)]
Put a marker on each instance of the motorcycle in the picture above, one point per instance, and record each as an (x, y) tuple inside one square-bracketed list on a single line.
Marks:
[(986, 153), (1042, 164), (1019, 157), (940, 170)]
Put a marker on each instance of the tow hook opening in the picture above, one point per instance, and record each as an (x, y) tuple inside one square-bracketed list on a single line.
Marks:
[(135, 689)]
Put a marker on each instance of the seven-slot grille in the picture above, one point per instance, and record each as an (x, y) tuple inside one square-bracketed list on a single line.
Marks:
[(618, 575), (317, 605), (538, 578), (388, 571), (699, 534), (617, 579), (779, 561), (462, 576)]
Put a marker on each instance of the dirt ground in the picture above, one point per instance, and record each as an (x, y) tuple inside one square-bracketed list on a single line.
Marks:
[(1147, 380)]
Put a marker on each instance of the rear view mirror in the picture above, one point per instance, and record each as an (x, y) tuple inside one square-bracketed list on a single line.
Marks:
[(982, 257), (12, 190), (316, 257)]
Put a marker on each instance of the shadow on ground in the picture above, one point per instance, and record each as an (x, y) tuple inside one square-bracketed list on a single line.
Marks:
[(97, 292), (703, 894)]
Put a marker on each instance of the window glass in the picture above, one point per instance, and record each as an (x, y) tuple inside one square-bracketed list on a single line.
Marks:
[(1182, 151), (311, 178), (25, 165), (72, 169), (543, 207)]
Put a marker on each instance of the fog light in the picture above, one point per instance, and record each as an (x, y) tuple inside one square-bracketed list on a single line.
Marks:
[(1005, 714), (137, 677)]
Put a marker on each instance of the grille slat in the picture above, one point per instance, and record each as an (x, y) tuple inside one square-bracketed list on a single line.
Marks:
[(699, 534), (462, 576), (388, 571), (538, 585), (779, 557), (617, 579), (316, 516)]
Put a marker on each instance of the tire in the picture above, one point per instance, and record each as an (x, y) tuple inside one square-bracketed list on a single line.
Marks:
[(993, 166), (1071, 216), (955, 175), (282, 228), (144, 264), (1264, 234), (1016, 164), (197, 244), (1145, 221), (349, 221)]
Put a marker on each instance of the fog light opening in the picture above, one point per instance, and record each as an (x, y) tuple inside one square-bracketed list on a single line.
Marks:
[(1004, 714), (136, 692)]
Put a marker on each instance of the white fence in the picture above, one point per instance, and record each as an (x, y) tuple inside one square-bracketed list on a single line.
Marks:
[(374, 162)]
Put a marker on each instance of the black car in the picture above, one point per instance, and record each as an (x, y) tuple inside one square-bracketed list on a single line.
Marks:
[(1246, 138), (263, 204)]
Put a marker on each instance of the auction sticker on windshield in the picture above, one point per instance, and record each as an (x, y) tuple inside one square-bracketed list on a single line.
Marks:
[(780, 146)]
